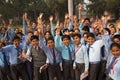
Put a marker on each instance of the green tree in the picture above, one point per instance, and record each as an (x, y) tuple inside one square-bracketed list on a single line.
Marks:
[(58, 7), (113, 6), (97, 8)]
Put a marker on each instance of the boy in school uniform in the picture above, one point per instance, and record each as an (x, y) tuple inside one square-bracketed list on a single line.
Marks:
[(67, 53), (54, 60), (81, 63), (29, 65), (17, 66), (3, 74), (113, 65), (39, 58), (94, 55)]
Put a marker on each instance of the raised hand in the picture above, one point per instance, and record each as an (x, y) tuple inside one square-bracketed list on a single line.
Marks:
[(80, 6), (40, 15), (51, 18), (66, 16), (25, 15)]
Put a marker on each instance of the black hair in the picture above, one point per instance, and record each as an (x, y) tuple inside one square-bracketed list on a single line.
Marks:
[(98, 34), (20, 33), (91, 35), (78, 35), (86, 28), (50, 38), (65, 36), (86, 19), (60, 32), (34, 37), (116, 36), (114, 45), (107, 30), (66, 29), (16, 38), (112, 25), (47, 32), (71, 30)]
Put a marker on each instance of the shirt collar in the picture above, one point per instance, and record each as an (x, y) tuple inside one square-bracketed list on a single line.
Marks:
[(14, 46), (78, 45)]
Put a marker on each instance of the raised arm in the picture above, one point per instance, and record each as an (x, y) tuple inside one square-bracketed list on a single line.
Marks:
[(52, 26), (58, 42), (24, 23)]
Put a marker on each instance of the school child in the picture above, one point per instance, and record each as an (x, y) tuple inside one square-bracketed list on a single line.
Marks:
[(3, 65), (54, 58), (81, 63), (67, 52), (94, 54), (113, 65), (84, 39), (116, 38), (17, 67), (39, 58), (29, 65), (7, 66)]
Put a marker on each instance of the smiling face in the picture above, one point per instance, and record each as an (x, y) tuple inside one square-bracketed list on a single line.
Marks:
[(16, 42), (90, 40), (47, 35), (35, 42), (66, 41), (50, 43), (115, 51), (76, 40), (116, 40)]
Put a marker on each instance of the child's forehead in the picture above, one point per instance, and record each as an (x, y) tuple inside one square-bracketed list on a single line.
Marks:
[(76, 36), (65, 38), (50, 40), (90, 37), (115, 48), (116, 38), (16, 40), (35, 40)]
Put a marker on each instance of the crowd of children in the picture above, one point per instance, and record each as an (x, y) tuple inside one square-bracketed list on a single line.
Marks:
[(62, 52)]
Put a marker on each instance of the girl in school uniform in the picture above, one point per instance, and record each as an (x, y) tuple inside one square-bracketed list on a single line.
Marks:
[(113, 65)]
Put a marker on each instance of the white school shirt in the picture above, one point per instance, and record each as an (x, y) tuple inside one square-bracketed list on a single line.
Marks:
[(115, 71), (81, 55), (94, 51)]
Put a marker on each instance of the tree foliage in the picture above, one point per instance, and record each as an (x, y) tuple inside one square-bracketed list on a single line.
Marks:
[(113, 6), (99, 6), (58, 7)]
